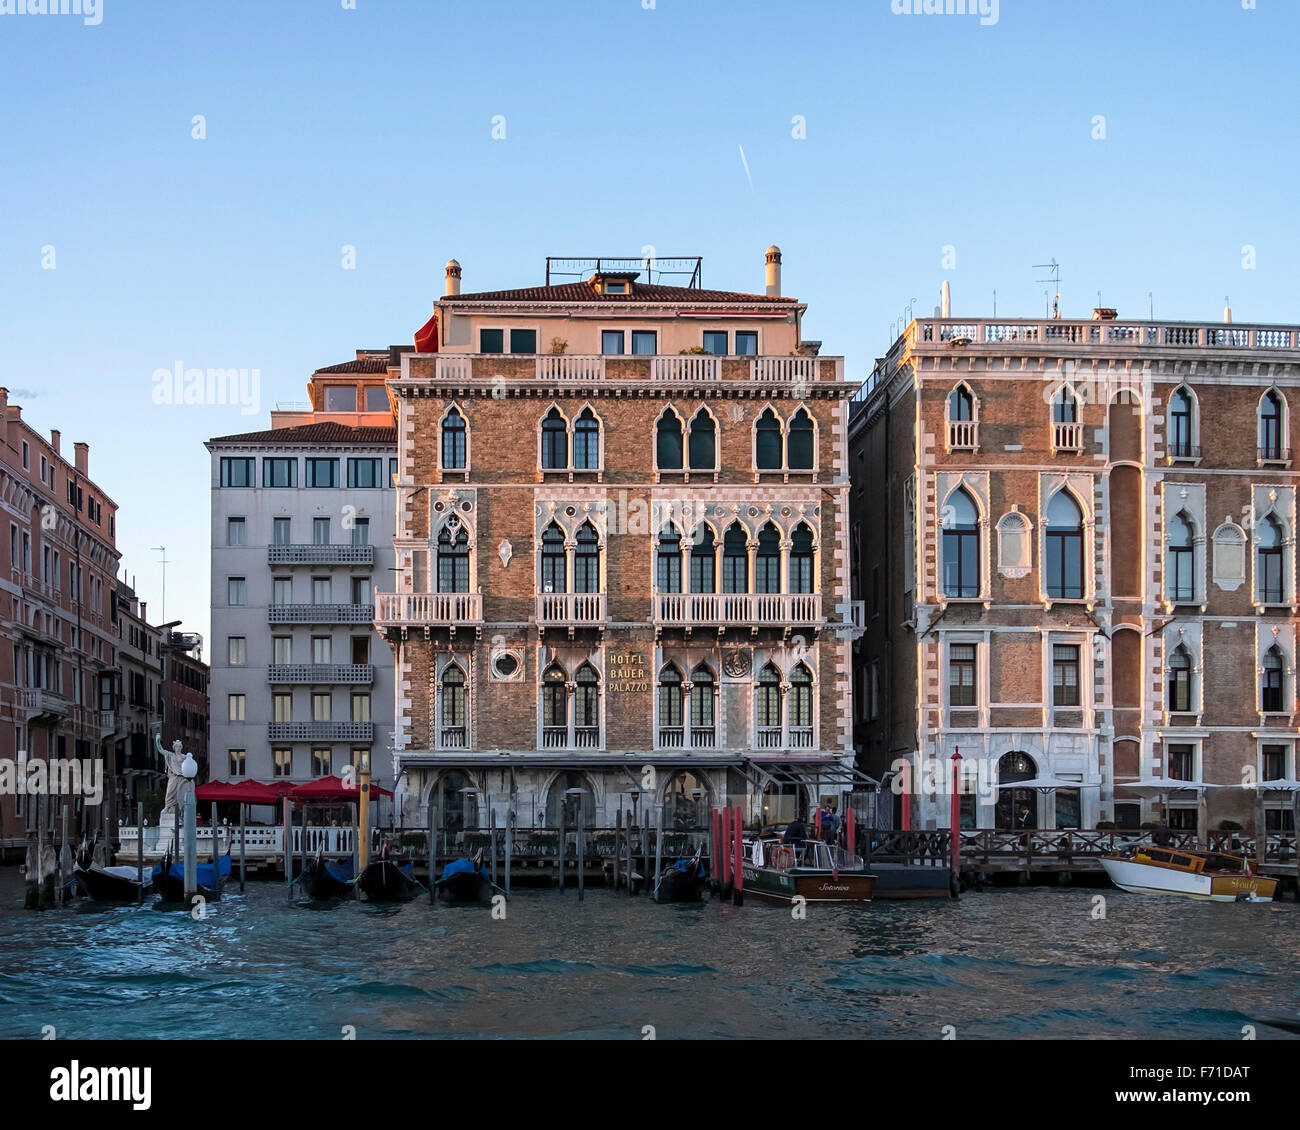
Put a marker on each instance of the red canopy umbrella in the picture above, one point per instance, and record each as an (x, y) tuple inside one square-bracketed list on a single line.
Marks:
[(426, 337), (330, 790), (243, 792)]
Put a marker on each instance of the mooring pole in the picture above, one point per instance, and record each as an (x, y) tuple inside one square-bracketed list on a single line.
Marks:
[(492, 841), (724, 819), (618, 836), (659, 852), (509, 845), (216, 851), (954, 823), (645, 846), (582, 851), (1261, 835), (287, 852), (559, 848), (433, 868), (738, 872), (139, 851), (714, 865), (191, 869), (243, 808)]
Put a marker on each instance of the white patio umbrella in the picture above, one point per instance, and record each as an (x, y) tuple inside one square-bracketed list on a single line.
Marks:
[(1154, 787), (1276, 785), (1046, 784)]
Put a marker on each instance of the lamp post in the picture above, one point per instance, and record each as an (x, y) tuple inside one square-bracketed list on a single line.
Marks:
[(190, 770)]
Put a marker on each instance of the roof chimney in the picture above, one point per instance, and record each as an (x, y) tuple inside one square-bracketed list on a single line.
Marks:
[(453, 277), (1227, 310), (54, 440), (774, 272), (945, 300), (81, 459), (1104, 313)]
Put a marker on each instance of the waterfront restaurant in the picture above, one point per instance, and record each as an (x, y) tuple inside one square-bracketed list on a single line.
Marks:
[(621, 553)]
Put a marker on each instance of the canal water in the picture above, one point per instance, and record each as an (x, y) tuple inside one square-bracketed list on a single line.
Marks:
[(1017, 963)]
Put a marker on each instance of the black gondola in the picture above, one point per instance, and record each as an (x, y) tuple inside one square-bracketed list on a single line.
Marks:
[(684, 881), (169, 879), (385, 881), (109, 884), (325, 880), (463, 880)]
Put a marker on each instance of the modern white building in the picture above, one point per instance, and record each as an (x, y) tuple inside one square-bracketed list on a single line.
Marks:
[(302, 533)]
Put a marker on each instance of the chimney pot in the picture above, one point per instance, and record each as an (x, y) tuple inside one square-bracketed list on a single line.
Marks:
[(453, 277), (945, 300), (54, 440), (773, 259), (81, 459)]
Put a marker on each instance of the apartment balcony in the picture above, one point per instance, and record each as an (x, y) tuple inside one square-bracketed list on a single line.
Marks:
[(320, 731), (570, 610), (1280, 456), (356, 674), (320, 554), (42, 705), (752, 610), (672, 369), (562, 737), (34, 586), (320, 613), (428, 610), (963, 435), (1067, 437), (100, 723)]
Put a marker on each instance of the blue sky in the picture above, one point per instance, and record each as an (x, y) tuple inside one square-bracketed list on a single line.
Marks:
[(372, 128)]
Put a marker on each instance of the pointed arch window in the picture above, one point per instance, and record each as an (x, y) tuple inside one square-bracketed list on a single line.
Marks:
[(961, 546), (555, 708), (1180, 571), (1064, 548), (586, 709), (668, 441), (1180, 681), (1067, 432), (703, 558), (703, 689), (586, 560), (454, 449), (668, 565), (1269, 579), (962, 434), (735, 559), (671, 730), (767, 700), (767, 561), (1271, 440), (453, 560), (1180, 424), (554, 574), (767, 442), (452, 730), (555, 441), (799, 442), (1272, 699), (703, 442), (800, 707), (586, 442), (801, 559)]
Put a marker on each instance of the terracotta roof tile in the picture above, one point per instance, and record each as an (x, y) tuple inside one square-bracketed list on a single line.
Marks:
[(641, 292), (360, 365), (326, 432)]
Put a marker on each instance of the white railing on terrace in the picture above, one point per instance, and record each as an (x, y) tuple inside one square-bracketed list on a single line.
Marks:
[(260, 841), (563, 367), (1067, 437), (560, 737), (453, 367), (783, 369), (571, 608), (709, 609), (1189, 335), (685, 368), (403, 608), (39, 701)]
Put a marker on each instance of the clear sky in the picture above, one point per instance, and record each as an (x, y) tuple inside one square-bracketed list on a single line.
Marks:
[(372, 127)]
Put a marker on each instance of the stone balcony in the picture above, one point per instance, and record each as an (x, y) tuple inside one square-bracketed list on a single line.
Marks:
[(784, 612), (1025, 333), (320, 554), (320, 731), (41, 704), (402, 611), (570, 611), (356, 674)]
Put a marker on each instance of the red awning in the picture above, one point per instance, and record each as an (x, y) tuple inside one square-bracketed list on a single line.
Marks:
[(245, 792), (426, 337), (327, 790)]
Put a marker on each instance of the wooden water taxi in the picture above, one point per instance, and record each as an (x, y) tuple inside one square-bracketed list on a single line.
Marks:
[(809, 869), (1206, 875)]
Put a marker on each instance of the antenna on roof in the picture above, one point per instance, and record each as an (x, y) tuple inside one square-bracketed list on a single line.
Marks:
[(1054, 269)]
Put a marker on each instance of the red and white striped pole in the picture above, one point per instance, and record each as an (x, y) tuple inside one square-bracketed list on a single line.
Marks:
[(738, 887)]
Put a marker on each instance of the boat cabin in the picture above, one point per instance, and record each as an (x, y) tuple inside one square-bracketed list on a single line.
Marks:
[(1195, 863)]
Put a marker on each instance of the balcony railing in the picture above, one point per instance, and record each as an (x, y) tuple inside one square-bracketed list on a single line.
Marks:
[(320, 554), (1067, 437), (1274, 454), (679, 737), (453, 737), (963, 435), (571, 608), (793, 737), (320, 731), (689, 368), (427, 609), (358, 674), (1183, 335), (798, 369), (563, 367), (560, 737), (320, 613), (33, 584), (42, 703), (755, 609)]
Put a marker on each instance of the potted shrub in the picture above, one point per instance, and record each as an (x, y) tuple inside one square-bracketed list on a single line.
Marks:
[(1229, 826), (1105, 825), (558, 346)]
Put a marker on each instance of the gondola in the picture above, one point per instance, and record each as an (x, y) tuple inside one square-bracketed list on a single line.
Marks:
[(169, 879), (463, 880), (684, 881), (109, 884), (325, 880), (385, 881)]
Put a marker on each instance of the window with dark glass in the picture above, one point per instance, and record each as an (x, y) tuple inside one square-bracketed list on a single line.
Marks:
[(801, 559), (376, 398), (322, 472), (703, 548), (800, 710), (668, 571), (769, 698), (453, 705), (1065, 675), (715, 342), (554, 698), (361, 531), (555, 441), (553, 571), (961, 567), (611, 342), (702, 684), (365, 473), (340, 398), (1271, 699), (961, 405), (799, 441), (1064, 548), (767, 445), (703, 442), (1270, 426), (1274, 762), (746, 343), (1181, 580), (586, 704), (1065, 407), (586, 560), (670, 698), (1180, 424), (1182, 762), (453, 561), (523, 341), (668, 441), (645, 342), (236, 472), (453, 440), (767, 561), (279, 472), (961, 674), (491, 341), (735, 560), (1180, 681), (586, 441), (1268, 581)]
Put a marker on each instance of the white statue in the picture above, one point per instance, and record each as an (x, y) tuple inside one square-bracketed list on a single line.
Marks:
[(178, 785)]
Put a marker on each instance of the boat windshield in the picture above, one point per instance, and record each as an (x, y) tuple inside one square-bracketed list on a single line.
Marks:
[(808, 853)]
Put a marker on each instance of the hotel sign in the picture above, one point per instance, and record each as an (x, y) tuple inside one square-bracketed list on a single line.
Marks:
[(627, 672)]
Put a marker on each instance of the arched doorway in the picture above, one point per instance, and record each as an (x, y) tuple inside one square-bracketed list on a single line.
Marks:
[(558, 800), (1016, 808), (457, 808), (686, 803)]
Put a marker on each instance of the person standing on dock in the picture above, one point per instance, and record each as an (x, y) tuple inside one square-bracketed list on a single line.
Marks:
[(830, 824), (795, 832)]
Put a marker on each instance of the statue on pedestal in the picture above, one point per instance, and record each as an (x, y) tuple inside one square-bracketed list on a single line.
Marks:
[(178, 785)]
